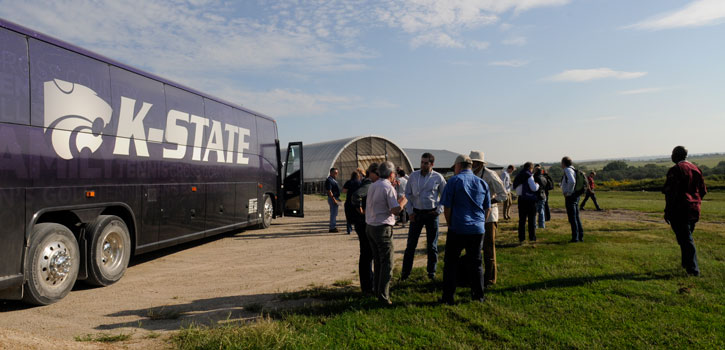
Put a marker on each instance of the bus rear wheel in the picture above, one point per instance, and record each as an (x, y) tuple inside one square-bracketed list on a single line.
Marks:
[(52, 264), (109, 251)]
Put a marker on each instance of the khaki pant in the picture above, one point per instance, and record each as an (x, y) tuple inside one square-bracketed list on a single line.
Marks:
[(381, 243), (489, 253), (507, 206)]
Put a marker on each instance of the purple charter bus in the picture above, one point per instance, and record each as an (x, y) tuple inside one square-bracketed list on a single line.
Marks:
[(100, 161)]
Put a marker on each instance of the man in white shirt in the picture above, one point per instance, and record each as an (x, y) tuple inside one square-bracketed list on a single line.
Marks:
[(508, 186), (423, 192), (571, 200), (381, 208)]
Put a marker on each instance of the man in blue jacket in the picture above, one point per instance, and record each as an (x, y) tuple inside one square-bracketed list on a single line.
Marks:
[(467, 203)]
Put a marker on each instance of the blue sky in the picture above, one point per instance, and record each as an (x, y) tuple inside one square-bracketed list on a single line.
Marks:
[(518, 79)]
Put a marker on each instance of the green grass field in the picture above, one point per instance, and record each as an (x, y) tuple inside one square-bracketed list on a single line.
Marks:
[(622, 288)]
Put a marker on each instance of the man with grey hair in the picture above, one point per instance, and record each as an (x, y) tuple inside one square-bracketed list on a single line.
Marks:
[(467, 203), (498, 194), (382, 206)]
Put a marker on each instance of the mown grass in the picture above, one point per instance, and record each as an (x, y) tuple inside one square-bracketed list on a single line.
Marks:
[(621, 288), (713, 207)]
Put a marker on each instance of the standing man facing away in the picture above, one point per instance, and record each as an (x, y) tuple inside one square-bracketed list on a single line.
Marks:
[(467, 205), (506, 178), (498, 194), (423, 191), (333, 197), (684, 190), (526, 189), (358, 203), (571, 200), (590, 192), (380, 210)]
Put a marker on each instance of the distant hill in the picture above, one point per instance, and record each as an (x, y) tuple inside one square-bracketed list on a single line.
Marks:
[(708, 159)]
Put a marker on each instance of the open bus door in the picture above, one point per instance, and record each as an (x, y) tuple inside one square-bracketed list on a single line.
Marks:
[(292, 183)]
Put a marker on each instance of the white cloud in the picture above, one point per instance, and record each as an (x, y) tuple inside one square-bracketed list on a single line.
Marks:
[(509, 63), (695, 14), (580, 75), (435, 40), (479, 45), (605, 118), (425, 17), (514, 41), (177, 38), (295, 103), (641, 91)]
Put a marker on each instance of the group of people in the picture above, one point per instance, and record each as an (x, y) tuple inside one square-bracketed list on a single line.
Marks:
[(469, 201)]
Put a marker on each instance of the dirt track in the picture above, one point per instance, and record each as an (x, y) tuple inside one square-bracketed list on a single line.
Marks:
[(202, 282)]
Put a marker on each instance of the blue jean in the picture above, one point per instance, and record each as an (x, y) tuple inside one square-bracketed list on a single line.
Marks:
[(333, 212), (683, 231), (430, 221), (572, 212), (541, 219)]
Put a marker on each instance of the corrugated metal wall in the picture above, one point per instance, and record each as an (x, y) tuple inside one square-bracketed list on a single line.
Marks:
[(361, 153)]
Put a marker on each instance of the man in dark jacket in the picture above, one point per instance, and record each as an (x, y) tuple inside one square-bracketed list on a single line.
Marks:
[(684, 190), (526, 189)]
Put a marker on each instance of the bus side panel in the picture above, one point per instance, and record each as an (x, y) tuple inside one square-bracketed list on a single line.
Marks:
[(42, 198), (220, 205), (267, 131), (51, 63), (14, 83), (14, 140), (244, 192), (150, 215), (182, 210), (12, 227)]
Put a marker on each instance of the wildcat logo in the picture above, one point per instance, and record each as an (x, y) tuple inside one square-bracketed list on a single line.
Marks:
[(74, 112)]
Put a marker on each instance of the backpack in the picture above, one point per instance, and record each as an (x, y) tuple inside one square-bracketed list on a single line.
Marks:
[(359, 197), (581, 183), (543, 184), (549, 182)]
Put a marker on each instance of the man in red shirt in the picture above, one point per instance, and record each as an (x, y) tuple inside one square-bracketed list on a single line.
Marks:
[(590, 192), (684, 190)]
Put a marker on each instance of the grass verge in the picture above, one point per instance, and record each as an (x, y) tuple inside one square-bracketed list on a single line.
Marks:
[(621, 288)]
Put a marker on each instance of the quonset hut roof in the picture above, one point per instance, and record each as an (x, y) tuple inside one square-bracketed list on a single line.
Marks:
[(445, 159), (348, 154)]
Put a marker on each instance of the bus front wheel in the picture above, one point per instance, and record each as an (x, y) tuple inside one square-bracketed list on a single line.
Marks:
[(267, 212), (52, 264)]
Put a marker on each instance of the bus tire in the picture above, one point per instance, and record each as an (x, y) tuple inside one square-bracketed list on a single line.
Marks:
[(109, 251), (51, 265), (267, 212)]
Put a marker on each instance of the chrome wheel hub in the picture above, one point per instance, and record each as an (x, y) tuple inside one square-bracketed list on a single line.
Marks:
[(268, 211), (111, 250), (56, 263)]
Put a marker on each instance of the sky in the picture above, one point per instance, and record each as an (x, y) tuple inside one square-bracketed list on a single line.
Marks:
[(520, 80)]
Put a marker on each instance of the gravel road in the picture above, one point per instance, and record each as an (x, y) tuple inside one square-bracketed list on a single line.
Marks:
[(204, 282)]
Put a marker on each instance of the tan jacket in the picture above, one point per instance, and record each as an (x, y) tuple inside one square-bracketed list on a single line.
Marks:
[(495, 186)]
